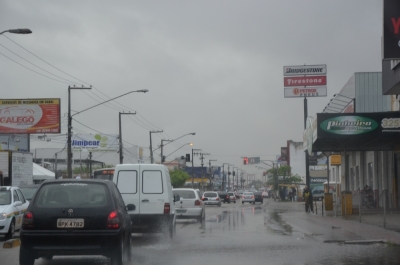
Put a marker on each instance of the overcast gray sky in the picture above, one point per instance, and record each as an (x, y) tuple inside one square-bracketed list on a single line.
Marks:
[(211, 67)]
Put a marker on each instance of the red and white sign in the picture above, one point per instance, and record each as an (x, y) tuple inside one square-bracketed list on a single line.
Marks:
[(30, 115), (297, 92), (305, 81)]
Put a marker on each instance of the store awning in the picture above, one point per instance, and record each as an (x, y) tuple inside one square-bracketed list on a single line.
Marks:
[(337, 132)]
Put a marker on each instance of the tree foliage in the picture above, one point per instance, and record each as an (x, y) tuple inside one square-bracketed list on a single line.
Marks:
[(178, 178), (285, 171)]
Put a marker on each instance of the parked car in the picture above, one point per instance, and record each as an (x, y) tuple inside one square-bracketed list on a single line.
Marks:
[(318, 195), (265, 194), (190, 204), (248, 197), (29, 190), (12, 208), (148, 187), (258, 197), (224, 197), (211, 198), (76, 217), (232, 196)]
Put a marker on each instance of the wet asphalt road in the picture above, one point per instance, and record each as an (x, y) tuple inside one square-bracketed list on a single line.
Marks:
[(240, 234)]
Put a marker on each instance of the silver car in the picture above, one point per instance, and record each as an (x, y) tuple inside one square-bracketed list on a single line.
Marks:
[(190, 204), (211, 198), (248, 197)]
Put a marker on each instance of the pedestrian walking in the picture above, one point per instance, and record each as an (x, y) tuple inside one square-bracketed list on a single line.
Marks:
[(294, 194), (308, 199)]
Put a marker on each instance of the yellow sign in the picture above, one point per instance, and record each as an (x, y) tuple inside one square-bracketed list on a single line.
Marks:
[(336, 159)]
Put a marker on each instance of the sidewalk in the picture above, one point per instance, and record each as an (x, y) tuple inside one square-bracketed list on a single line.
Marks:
[(342, 229)]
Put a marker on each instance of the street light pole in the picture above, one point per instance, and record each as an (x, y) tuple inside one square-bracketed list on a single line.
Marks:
[(223, 172), (170, 141), (121, 157), (211, 172), (151, 147), (69, 166)]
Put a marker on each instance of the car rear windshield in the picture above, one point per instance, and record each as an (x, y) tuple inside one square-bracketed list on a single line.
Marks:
[(210, 194), (248, 193), (231, 193), (72, 194), (28, 192), (5, 197), (185, 194)]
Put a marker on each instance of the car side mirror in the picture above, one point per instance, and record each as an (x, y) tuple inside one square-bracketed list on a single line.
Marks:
[(130, 207), (17, 203), (177, 198)]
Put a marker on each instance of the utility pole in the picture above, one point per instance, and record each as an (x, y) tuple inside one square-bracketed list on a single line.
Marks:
[(162, 145), (90, 164), (121, 157), (193, 153), (151, 147), (211, 172), (202, 169)]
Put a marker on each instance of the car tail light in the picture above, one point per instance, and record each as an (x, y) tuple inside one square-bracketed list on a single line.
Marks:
[(27, 221), (197, 203), (243, 197), (217, 199), (167, 208), (113, 220), (227, 196), (252, 197)]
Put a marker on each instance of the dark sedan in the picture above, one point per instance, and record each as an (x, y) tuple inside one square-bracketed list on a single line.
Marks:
[(258, 197), (76, 217), (224, 197)]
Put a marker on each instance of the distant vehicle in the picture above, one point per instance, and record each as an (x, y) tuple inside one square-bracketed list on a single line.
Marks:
[(232, 196), (318, 195), (258, 197), (29, 190), (265, 194), (103, 173), (12, 208), (211, 198), (95, 210), (190, 204), (248, 197), (224, 197)]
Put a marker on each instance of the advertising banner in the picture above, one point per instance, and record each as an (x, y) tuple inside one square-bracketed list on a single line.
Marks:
[(30, 116), (336, 160), (14, 142), (391, 29), (304, 81), (331, 125), (304, 70), (297, 92), (95, 142)]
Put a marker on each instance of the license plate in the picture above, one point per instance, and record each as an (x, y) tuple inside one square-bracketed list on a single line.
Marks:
[(181, 211), (70, 223)]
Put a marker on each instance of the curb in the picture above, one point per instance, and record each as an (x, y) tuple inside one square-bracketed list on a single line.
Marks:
[(12, 243)]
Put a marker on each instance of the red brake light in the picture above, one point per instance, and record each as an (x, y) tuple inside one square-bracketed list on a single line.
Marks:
[(27, 221), (167, 208), (252, 197), (197, 203), (113, 220), (217, 199), (242, 196), (202, 198)]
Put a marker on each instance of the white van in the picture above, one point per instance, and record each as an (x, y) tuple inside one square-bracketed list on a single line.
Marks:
[(148, 188)]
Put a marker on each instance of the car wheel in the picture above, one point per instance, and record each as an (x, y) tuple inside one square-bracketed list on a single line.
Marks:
[(234, 201), (26, 257), (11, 230), (254, 202), (172, 231), (242, 202), (118, 255)]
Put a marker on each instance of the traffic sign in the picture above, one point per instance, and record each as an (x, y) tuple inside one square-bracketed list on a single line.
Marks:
[(254, 160)]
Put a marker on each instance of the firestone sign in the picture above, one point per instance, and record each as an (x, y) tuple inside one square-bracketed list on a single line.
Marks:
[(305, 81), (391, 29)]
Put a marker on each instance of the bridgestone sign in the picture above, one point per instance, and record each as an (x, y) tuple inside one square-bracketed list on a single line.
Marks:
[(304, 70)]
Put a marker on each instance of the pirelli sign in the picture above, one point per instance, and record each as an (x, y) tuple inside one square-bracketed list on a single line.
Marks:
[(305, 81)]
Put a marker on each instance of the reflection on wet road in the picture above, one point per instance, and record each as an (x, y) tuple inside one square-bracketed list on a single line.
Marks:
[(244, 234)]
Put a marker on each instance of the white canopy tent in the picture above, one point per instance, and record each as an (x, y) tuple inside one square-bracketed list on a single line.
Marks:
[(40, 173)]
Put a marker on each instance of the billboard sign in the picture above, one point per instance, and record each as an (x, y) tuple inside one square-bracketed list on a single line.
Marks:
[(96, 142), (14, 142), (297, 92), (304, 70), (331, 125), (391, 29), (319, 80), (30, 116)]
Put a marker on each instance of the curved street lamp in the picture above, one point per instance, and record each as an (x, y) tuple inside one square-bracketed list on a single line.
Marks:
[(17, 31), (169, 141)]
